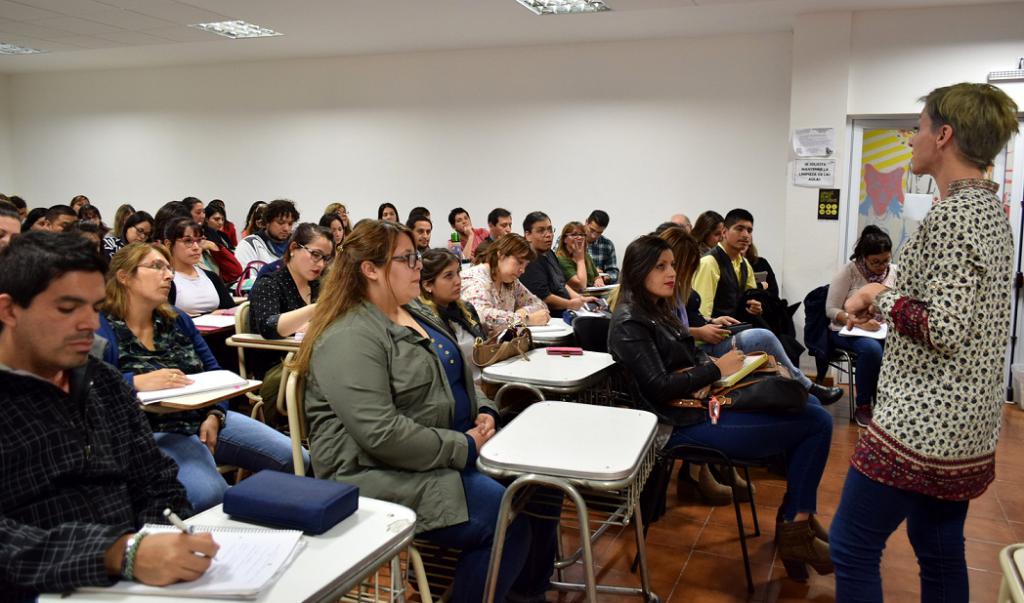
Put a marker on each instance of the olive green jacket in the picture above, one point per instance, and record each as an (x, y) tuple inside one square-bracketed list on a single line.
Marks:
[(380, 408)]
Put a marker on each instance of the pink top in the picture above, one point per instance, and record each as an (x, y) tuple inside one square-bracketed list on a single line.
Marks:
[(496, 305), (479, 234)]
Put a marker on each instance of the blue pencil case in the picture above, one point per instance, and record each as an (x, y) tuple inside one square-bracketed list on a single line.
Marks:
[(285, 500)]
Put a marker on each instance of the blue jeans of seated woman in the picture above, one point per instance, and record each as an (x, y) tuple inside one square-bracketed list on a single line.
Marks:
[(243, 442), (804, 438), (869, 512), (869, 362), (528, 555), (758, 340)]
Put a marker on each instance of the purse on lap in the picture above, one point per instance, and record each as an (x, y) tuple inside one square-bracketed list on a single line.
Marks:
[(768, 389)]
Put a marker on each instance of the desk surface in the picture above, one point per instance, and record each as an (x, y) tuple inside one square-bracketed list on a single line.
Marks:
[(329, 565), (543, 369), (258, 342), (570, 440), (554, 332)]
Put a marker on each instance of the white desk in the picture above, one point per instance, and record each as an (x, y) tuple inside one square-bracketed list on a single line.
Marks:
[(577, 448), (329, 566), (555, 332), (564, 375)]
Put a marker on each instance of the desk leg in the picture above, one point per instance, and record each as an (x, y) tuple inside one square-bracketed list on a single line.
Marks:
[(505, 516)]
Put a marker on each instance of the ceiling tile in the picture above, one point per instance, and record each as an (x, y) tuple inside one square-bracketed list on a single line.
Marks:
[(22, 12), (77, 25), (176, 12), (183, 33), (87, 42), (126, 19), (74, 8), (134, 38)]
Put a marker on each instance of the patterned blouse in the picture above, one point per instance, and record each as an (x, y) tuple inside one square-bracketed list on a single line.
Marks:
[(171, 349), (496, 305), (940, 393)]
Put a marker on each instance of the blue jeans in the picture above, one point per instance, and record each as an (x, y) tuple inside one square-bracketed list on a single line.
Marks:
[(869, 362), (758, 340), (869, 512), (804, 438), (243, 442), (526, 562)]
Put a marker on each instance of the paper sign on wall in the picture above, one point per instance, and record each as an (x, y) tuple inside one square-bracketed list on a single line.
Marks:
[(814, 173), (814, 142), (828, 204)]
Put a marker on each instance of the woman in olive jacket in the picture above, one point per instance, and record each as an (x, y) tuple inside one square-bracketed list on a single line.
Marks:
[(392, 409)]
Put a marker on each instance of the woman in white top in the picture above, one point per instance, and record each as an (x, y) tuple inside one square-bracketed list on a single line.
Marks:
[(494, 289), (194, 290), (870, 263)]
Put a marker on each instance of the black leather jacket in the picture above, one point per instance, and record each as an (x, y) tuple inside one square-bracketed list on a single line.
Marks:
[(651, 352)]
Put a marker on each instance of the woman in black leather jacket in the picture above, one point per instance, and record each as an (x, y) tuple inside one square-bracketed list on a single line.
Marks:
[(648, 338)]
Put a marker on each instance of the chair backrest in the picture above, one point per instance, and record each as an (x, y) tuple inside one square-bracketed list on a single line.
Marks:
[(816, 328), (242, 318), (297, 427), (592, 332)]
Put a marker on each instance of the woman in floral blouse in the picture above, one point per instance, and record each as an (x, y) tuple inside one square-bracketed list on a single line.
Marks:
[(494, 289), (930, 447)]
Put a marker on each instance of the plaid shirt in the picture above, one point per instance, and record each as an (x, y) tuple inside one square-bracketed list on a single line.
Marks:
[(78, 472), (603, 252)]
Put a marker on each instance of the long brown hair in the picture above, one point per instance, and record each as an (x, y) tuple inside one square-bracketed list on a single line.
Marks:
[(687, 258), (127, 260), (435, 261), (344, 287)]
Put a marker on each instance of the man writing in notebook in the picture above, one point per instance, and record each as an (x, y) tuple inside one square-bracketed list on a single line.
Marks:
[(81, 472)]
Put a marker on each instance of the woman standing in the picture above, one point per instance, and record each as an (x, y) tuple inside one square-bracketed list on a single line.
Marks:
[(870, 263), (385, 413), (577, 265), (930, 447), (494, 289)]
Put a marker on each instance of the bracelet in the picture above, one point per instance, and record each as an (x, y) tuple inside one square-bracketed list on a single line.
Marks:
[(220, 416), (131, 549)]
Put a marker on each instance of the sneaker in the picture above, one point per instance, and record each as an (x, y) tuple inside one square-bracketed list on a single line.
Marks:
[(862, 415)]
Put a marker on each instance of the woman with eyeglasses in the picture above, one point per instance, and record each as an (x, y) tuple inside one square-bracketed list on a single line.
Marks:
[(384, 415), (194, 290), (156, 346), (282, 302), (870, 263), (136, 228), (577, 265)]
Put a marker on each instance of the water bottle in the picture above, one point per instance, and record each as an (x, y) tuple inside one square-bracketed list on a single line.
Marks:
[(455, 246)]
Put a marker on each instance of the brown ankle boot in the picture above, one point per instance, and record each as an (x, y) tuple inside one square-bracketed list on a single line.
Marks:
[(698, 478), (739, 485), (800, 547), (819, 530)]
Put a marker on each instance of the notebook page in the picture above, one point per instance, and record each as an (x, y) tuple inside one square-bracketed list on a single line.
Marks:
[(201, 382), (248, 562)]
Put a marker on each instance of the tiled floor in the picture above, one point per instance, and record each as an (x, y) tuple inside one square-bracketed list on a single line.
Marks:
[(694, 553)]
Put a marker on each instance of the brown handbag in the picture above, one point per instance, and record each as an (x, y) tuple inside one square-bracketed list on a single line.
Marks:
[(486, 353), (769, 388)]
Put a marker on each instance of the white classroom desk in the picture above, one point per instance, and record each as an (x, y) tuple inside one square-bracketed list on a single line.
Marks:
[(556, 332), (252, 341), (329, 566), (551, 373)]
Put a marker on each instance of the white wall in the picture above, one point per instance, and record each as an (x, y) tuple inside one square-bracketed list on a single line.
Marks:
[(641, 129), (6, 176)]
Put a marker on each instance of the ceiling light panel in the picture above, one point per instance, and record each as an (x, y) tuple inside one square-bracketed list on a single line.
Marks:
[(6, 48), (564, 7), (237, 29)]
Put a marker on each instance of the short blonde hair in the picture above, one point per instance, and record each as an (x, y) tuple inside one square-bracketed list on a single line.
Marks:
[(983, 118)]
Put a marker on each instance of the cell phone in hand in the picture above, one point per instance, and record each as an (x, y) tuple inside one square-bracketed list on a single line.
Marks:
[(734, 329)]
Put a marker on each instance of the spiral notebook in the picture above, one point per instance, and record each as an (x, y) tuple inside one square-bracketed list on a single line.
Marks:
[(248, 562)]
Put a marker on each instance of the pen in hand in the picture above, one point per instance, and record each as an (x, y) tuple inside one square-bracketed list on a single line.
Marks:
[(177, 522)]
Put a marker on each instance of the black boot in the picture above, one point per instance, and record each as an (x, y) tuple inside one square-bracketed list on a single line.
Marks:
[(825, 395)]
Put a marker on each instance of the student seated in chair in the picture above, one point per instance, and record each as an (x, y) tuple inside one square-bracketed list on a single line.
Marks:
[(392, 408), (268, 245), (724, 275), (155, 347), (543, 276), (81, 472), (649, 339)]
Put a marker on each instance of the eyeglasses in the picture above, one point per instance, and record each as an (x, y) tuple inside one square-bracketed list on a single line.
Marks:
[(318, 256), (159, 267), (411, 259), (877, 263), (575, 235), (189, 241), (143, 234)]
